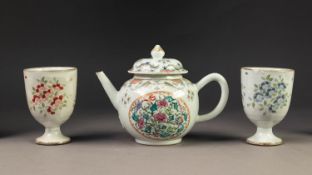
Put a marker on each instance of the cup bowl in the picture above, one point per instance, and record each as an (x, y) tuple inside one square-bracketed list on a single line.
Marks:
[(51, 95), (266, 97)]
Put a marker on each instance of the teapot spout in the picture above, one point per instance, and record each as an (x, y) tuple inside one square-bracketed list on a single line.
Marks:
[(109, 88)]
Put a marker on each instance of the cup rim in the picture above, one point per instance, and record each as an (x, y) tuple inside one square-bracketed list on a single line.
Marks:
[(50, 69), (267, 69)]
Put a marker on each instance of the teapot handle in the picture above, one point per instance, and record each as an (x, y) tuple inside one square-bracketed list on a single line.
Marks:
[(223, 99)]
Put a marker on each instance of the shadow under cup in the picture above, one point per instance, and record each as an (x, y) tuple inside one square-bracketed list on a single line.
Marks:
[(51, 95), (266, 95)]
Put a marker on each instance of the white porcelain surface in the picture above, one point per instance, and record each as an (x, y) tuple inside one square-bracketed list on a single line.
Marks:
[(266, 96), (159, 109), (51, 95)]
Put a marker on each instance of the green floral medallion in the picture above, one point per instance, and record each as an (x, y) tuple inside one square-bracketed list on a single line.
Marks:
[(270, 95), (158, 115)]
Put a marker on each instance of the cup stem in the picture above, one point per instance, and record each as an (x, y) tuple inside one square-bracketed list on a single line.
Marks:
[(52, 136), (264, 137), (265, 131)]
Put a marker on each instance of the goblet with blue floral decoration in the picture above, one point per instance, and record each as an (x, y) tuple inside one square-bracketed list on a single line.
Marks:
[(266, 96)]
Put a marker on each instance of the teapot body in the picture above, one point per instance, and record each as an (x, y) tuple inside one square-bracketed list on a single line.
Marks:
[(158, 110), (158, 106)]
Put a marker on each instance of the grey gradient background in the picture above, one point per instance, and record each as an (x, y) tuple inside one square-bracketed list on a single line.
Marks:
[(206, 36)]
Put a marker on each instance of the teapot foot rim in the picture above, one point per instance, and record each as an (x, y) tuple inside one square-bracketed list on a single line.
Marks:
[(159, 143)]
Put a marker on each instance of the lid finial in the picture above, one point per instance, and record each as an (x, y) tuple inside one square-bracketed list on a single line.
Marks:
[(157, 64), (157, 52)]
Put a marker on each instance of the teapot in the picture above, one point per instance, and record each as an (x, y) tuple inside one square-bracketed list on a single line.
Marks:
[(158, 106)]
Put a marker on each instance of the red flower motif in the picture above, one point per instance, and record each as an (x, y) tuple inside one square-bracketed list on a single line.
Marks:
[(34, 98), (151, 97), (141, 123), (46, 93), (162, 103), (160, 117), (58, 86)]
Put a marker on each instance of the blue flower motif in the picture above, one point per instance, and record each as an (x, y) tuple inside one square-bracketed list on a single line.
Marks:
[(138, 106), (281, 85), (265, 86), (270, 92), (279, 100), (258, 97), (273, 108), (269, 95)]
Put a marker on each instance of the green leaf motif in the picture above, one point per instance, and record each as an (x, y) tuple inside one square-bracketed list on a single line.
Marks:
[(135, 117), (169, 98), (164, 134), (176, 107), (148, 129), (154, 107), (171, 118), (185, 116), (181, 127)]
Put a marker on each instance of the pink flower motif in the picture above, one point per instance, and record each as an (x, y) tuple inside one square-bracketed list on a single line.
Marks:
[(152, 97), (162, 103), (57, 102), (160, 117), (135, 81), (141, 123), (167, 70)]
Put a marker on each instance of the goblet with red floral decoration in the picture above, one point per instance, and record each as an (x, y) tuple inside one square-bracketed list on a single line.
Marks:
[(51, 95)]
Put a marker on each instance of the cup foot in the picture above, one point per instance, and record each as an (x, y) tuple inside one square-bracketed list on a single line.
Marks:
[(264, 137), (158, 143), (52, 136)]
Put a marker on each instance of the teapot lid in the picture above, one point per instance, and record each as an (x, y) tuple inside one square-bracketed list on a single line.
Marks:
[(157, 64)]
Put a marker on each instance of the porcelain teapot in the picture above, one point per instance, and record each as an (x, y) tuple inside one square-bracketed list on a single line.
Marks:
[(158, 106)]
